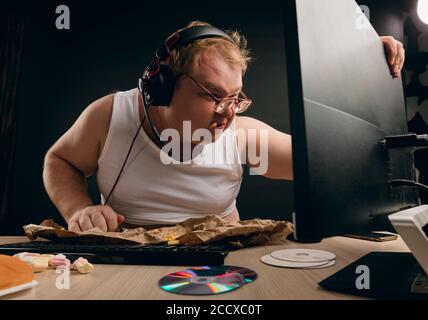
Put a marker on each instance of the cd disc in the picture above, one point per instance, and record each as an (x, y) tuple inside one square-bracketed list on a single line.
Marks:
[(303, 255), (207, 280), (268, 259)]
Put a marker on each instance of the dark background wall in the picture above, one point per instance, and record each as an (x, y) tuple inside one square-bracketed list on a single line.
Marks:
[(109, 45), (106, 49)]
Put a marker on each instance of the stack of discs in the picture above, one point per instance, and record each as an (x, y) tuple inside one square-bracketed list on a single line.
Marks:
[(300, 259)]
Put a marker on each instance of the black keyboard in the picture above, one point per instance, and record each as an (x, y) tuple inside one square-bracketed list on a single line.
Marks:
[(392, 275), (178, 255)]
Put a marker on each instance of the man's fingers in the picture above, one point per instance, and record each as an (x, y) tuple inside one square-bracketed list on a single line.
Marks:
[(396, 68), (395, 55), (392, 56), (103, 217), (99, 221), (111, 218), (399, 62), (402, 57), (391, 51), (85, 223), (74, 226), (120, 219)]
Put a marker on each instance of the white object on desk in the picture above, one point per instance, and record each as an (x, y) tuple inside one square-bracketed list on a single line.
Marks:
[(300, 258), (303, 255), (269, 260), (21, 287), (410, 224)]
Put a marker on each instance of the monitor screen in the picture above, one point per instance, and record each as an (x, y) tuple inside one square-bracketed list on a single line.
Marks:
[(343, 102)]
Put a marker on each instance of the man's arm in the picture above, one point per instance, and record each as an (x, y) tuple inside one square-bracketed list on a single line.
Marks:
[(65, 185), (273, 147), (73, 158)]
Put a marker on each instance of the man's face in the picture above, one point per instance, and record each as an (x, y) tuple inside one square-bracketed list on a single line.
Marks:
[(191, 103)]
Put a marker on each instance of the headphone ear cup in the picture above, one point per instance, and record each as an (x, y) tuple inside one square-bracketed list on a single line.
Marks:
[(161, 86)]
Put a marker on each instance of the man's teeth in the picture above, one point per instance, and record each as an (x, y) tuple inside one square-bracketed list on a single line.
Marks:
[(215, 124)]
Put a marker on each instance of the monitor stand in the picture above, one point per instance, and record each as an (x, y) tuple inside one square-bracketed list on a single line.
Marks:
[(391, 274), (384, 275)]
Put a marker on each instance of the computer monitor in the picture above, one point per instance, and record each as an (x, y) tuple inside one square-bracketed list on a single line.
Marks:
[(343, 102)]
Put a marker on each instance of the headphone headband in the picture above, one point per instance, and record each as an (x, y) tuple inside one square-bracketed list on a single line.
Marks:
[(187, 36)]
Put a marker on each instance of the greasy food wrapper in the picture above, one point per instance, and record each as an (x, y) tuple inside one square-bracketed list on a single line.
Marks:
[(192, 231)]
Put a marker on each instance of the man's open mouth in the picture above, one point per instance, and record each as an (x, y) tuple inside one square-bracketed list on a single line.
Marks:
[(218, 125)]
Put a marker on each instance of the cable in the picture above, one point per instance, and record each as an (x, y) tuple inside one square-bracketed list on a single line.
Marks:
[(153, 130), (409, 140), (147, 103), (404, 182), (123, 166)]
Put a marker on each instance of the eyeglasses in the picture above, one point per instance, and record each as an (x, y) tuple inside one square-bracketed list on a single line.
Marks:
[(223, 104)]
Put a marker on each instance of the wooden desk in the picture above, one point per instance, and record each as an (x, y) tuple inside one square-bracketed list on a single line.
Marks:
[(140, 282)]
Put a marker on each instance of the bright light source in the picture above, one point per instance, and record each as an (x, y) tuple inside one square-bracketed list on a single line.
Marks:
[(423, 10)]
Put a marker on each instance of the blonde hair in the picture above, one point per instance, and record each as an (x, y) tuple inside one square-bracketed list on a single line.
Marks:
[(185, 59)]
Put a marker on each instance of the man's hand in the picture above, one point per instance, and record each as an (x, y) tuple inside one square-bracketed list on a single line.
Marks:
[(103, 217), (394, 54)]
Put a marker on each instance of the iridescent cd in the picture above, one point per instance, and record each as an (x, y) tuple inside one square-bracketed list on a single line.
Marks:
[(207, 280)]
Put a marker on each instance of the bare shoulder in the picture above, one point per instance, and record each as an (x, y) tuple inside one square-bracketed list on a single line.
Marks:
[(249, 123), (99, 112), (249, 129), (94, 121), (254, 128), (82, 143), (99, 115)]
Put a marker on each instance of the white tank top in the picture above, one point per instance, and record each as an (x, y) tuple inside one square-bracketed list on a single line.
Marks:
[(150, 192)]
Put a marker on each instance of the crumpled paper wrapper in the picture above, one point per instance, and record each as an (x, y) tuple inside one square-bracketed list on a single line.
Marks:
[(192, 231)]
